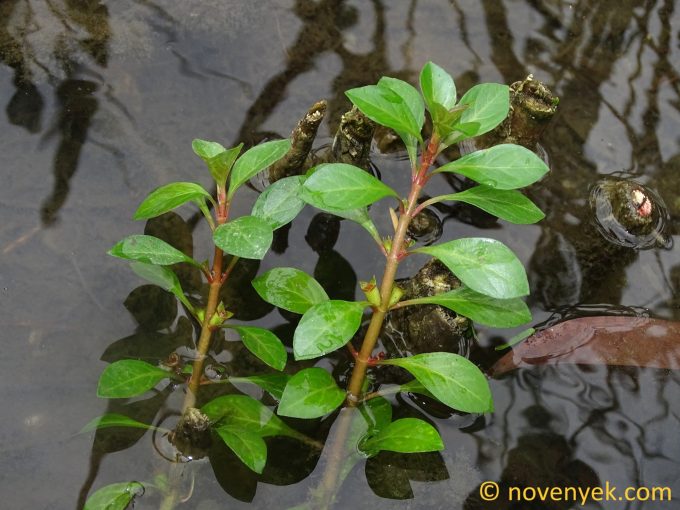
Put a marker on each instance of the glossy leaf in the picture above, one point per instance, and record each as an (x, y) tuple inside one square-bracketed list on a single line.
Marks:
[(129, 378), (248, 237), (414, 103), (407, 435), (508, 205), (167, 197), (255, 160), (164, 277), (273, 383), (218, 159), (264, 344), (205, 149), (326, 327), (488, 105), (338, 186), (505, 166), (116, 496), (150, 250), (280, 202), (437, 87), (498, 313), (290, 289), (245, 412), (384, 106), (485, 265), (311, 393), (249, 447), (451, 378), (115, 420)]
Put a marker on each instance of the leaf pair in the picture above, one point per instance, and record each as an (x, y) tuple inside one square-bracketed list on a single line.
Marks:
[(326, 325), (223, 164)]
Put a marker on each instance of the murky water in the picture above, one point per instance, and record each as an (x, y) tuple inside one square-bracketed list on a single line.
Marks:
[(101, 101)]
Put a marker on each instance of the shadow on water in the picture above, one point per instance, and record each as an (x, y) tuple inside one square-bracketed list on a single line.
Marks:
[(613, 66)]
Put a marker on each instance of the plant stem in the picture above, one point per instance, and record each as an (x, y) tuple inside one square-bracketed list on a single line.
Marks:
[(338, 447), (217, 279)]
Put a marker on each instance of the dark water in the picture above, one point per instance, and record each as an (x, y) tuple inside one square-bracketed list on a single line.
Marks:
[(101, 101)]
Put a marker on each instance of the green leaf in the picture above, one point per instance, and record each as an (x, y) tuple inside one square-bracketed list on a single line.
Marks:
[(311, 393), (206, 150), (129, 378), (290, 289), (383, 105), (509, 205), (488, 105), (485, 265), (150, 250), (218, 159), (339, 186), (280, 202), (116, 496), (407, 435), (255, 160), (497, 313), (164, 277), (361, 217), (326, 327), (167, 197), (248, 446), (248, 237), (115, 420), (272, 383), (437, 87), (451, 378), (414, 103), (447, 121), (505, 166), (264, 344)]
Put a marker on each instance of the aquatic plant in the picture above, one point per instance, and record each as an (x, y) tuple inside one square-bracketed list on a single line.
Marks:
[(492, 284)]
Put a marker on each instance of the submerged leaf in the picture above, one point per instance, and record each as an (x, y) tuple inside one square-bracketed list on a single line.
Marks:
[(116, 496), (115, 420)]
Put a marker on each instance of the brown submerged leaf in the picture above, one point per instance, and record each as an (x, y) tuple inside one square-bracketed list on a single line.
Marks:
[(615, 340)]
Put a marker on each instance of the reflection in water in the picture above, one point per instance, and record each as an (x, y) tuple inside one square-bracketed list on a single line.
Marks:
[(614, 65), (84, 28)]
